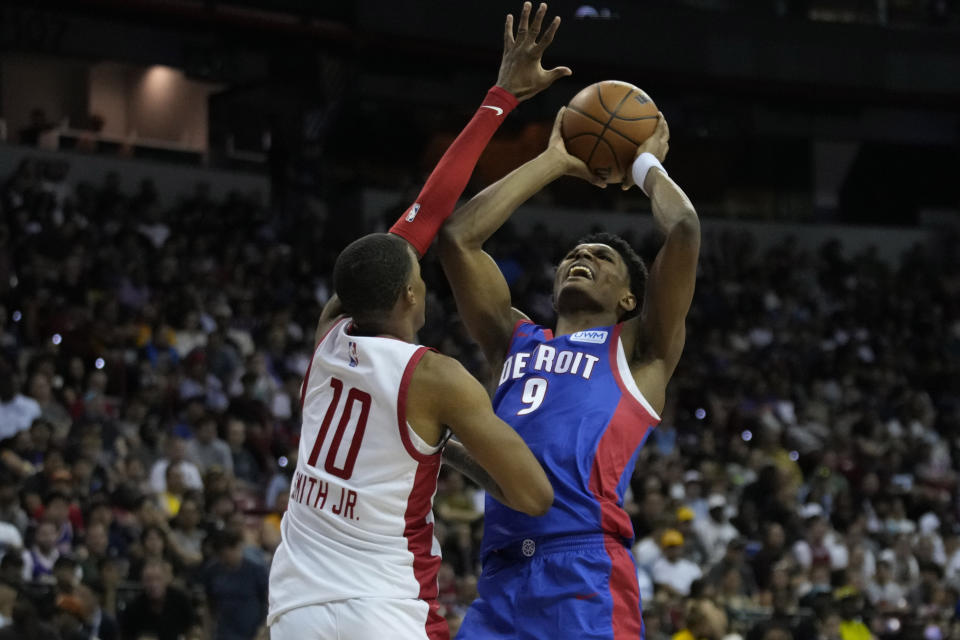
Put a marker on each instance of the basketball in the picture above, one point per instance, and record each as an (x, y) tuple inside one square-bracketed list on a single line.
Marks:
[(605, 123)]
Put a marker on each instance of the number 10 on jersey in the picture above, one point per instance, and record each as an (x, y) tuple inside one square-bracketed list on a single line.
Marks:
[(354, 396)]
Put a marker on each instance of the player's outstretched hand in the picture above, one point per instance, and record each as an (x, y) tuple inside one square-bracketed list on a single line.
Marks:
[(520, 70), (658, 144), (573, 166)]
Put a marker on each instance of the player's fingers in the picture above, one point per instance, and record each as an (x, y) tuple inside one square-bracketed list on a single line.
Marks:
[(524, 23), (557, 122), (585, 173), (558, 72), (538, 20), (508, 31), (548, 35)]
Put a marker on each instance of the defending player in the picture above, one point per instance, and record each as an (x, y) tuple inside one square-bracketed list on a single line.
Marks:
[(358, 558), (584, 398)]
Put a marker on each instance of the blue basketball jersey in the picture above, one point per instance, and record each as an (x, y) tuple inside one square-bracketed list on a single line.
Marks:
[(575, 403)]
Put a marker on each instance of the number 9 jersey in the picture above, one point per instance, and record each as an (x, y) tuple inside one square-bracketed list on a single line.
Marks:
[(359, 523), (575, 403)]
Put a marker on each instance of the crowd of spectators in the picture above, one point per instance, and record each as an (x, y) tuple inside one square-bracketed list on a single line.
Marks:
[(801, 485)]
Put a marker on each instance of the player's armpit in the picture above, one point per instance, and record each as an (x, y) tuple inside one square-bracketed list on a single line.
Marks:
[(442, 392), (481, 292), (456, 455)]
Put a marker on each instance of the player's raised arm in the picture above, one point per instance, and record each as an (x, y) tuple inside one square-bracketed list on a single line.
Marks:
[(442, 391), (481, 292), (674, 271), (521, 77)]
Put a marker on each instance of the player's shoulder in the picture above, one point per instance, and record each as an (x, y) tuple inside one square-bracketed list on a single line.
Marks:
[(437, 368), (440, 384), (325, 326)]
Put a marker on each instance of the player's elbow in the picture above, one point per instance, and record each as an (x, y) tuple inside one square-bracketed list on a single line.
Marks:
[(447, 241), (460, 232), (452, 239), (687, 224), (536, 498)]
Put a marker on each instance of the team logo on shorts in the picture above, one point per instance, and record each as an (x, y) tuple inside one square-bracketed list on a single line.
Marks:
[(528, 547), (354, 356), (413, 212)]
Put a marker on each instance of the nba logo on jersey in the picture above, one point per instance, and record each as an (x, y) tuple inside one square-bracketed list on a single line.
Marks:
[(589, 337), (413, 212), (354, 356)]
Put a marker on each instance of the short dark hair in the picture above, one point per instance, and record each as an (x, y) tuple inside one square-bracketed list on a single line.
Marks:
[(226, 539), (635, 266), (370, 274), (55, 495)]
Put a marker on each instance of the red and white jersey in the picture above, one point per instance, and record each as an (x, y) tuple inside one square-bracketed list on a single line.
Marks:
[(360, 520)]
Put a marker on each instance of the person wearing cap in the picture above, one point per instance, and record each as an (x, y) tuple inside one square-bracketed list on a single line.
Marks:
[(693, 549), (851, 606), (715, 531), (693, 493), (646, 551), (818, 545), (673, 570)]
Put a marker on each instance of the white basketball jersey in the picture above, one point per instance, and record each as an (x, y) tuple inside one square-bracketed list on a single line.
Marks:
[(360, 520)]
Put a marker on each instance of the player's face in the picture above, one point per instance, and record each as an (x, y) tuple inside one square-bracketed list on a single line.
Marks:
[(591, 277), (419, 291)]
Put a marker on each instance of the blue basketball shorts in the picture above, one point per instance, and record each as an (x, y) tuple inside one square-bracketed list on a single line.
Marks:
[(582, 587)]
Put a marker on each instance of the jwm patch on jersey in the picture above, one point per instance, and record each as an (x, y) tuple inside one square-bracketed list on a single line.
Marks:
[(574, 402)]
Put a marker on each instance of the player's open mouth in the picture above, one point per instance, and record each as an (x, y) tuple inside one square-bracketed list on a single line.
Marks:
[(580, 271)]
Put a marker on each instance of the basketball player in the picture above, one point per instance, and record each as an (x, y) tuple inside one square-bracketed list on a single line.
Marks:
[(358, 558), (584, 397)]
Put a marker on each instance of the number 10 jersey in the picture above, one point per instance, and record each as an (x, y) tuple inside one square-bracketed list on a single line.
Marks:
[(359, 523)]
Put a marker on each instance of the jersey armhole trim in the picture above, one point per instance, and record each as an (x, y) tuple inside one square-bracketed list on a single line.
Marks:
[(548, 333), (306, 375), (513, 334), (402, 409), (623, 376)]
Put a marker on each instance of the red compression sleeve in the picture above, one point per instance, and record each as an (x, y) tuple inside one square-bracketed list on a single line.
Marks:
[(419, 223)]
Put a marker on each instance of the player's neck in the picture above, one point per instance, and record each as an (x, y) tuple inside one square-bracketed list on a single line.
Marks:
[(389, 328), (572, 321)]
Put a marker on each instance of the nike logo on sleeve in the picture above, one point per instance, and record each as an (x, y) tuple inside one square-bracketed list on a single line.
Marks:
[(497, 109)]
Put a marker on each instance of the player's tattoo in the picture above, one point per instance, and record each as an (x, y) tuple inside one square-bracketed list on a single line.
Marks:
[(456, 455)]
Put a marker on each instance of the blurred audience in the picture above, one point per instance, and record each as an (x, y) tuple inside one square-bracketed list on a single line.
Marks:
[(802, 485)]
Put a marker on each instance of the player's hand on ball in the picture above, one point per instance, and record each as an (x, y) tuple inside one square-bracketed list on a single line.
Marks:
[(573, 166), (520, 70), (658, 144)]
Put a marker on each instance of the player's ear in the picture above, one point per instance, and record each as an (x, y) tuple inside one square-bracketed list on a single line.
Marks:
[(409, 295), (628, 302)]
